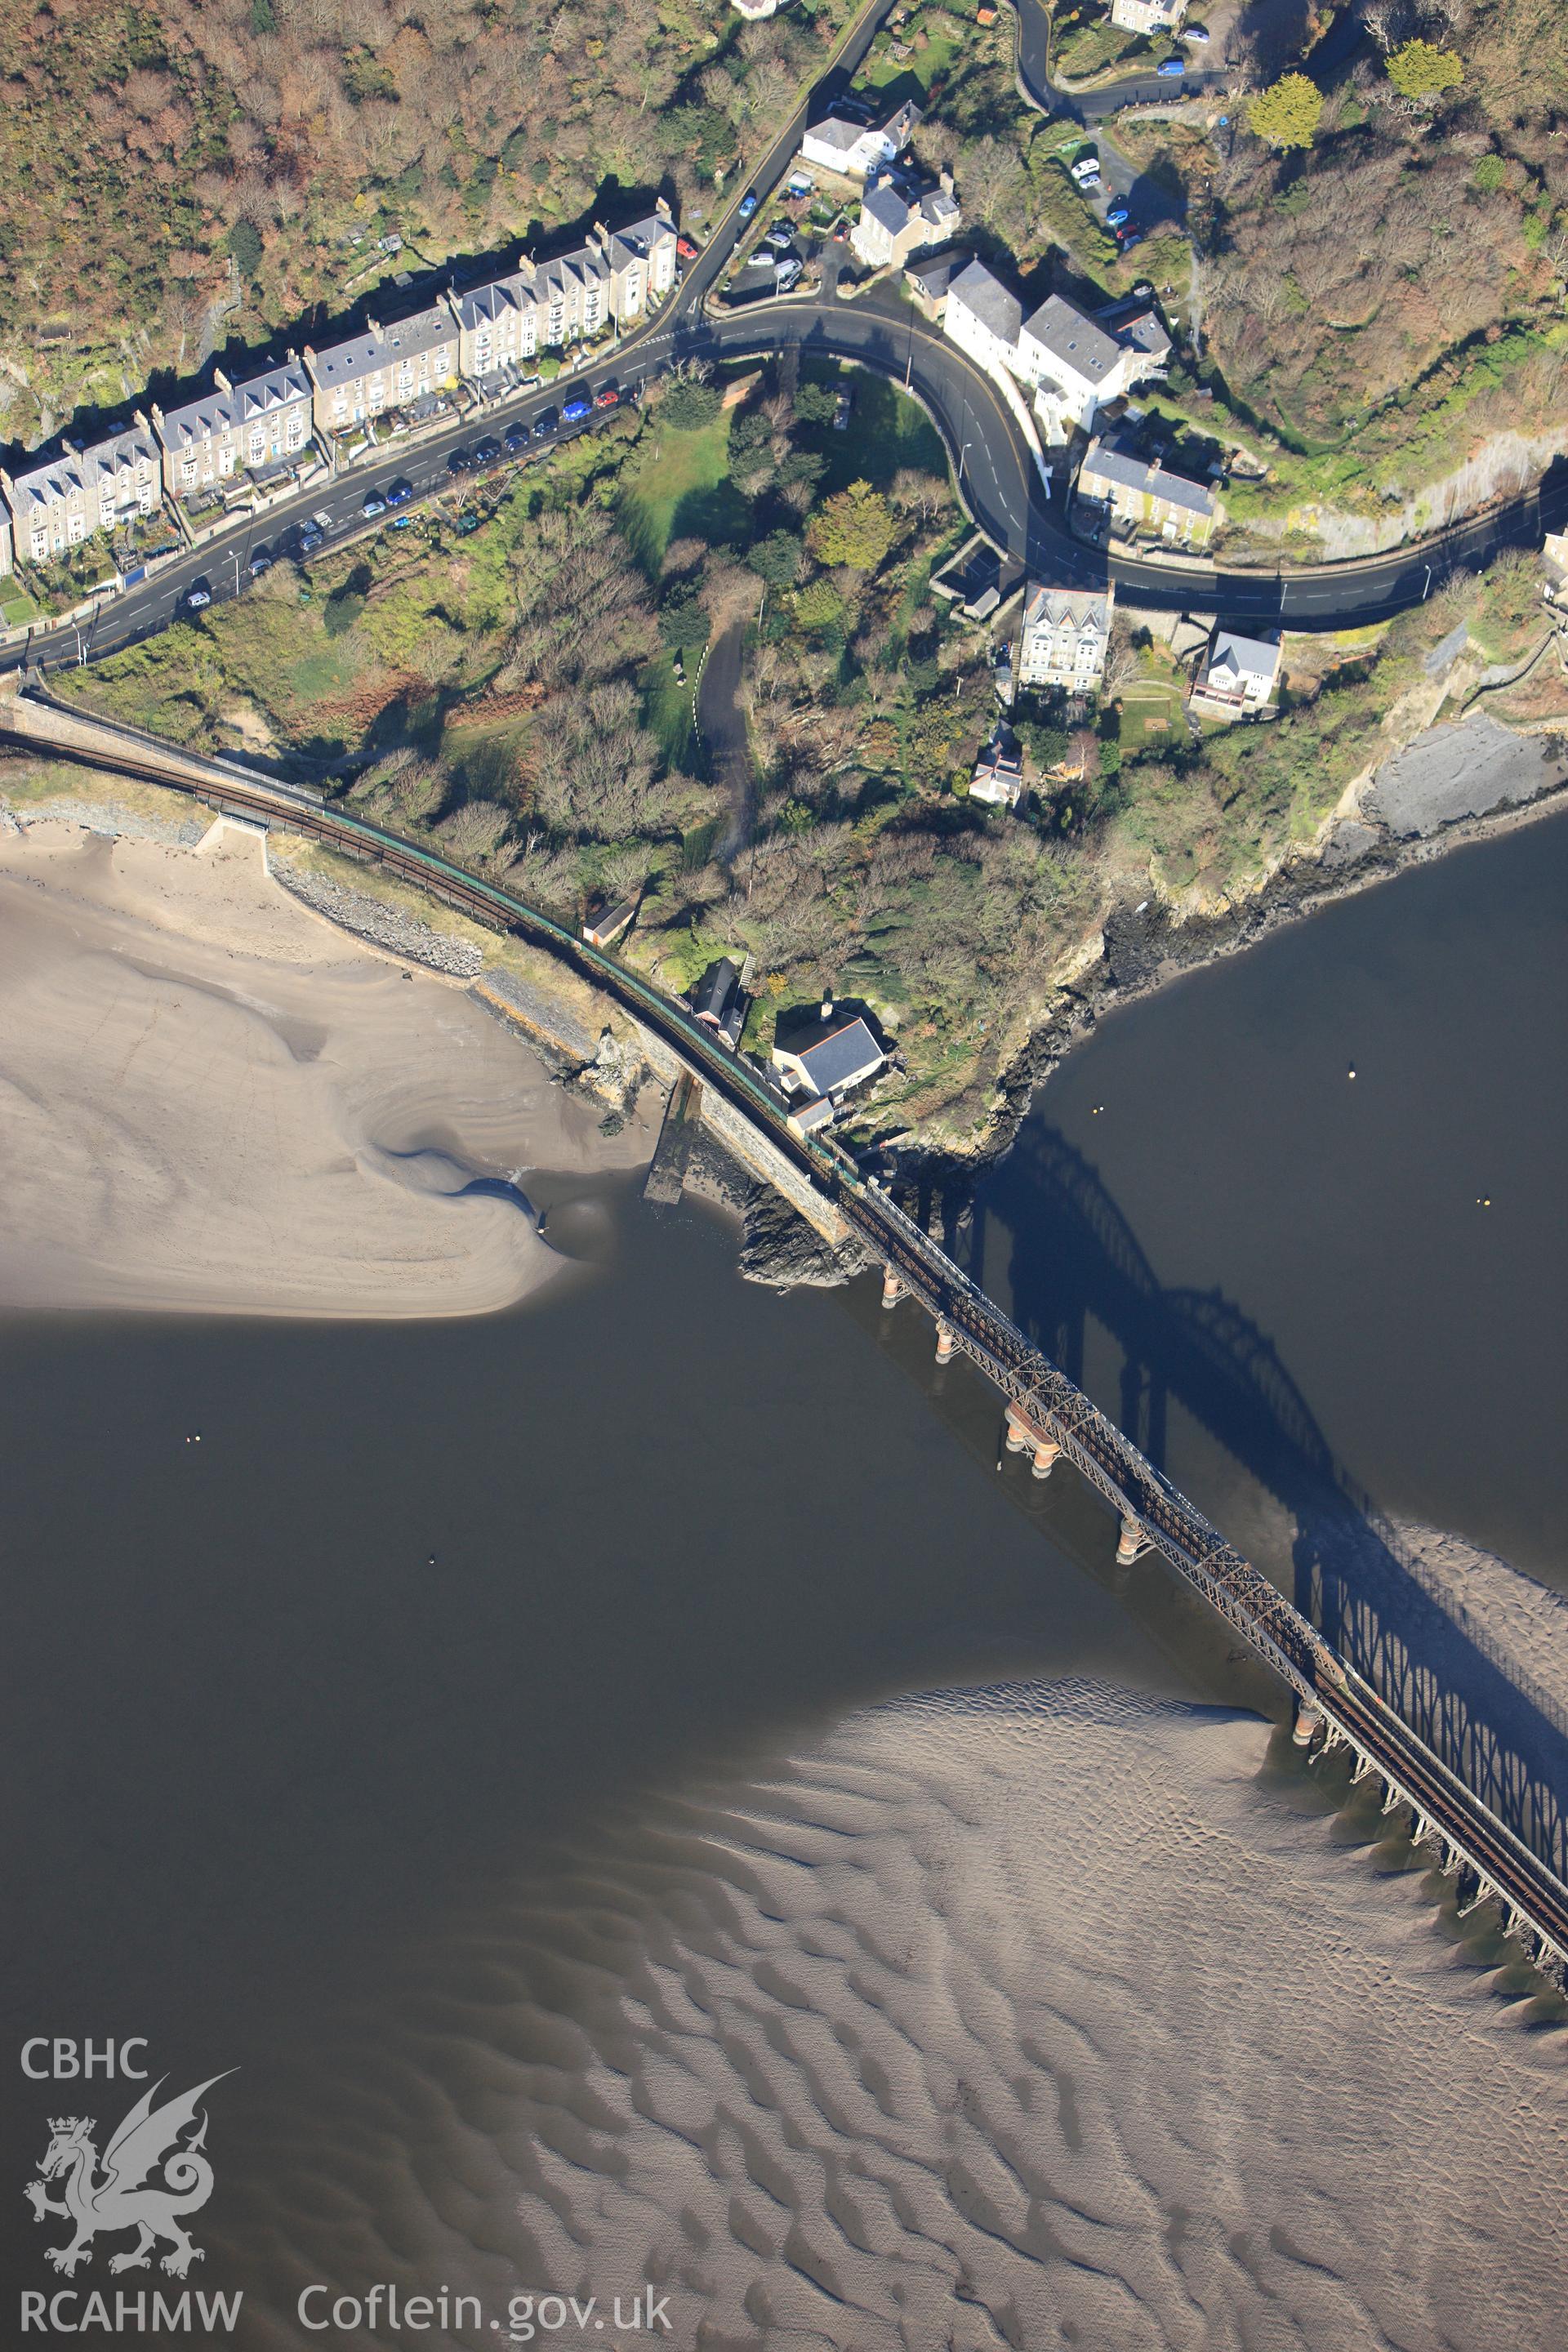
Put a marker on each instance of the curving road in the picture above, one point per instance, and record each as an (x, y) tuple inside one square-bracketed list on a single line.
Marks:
[(1002, 490), (1094, 105)]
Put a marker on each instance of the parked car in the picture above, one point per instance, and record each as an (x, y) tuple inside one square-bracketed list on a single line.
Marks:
[(198, 593), (488, 451), (461, 461), (544, 423), (399, 493), (779, 237), (748, 206), (608, 397), (260, 562), (403, 522), (1128, 238), (1116, 214), (372, 506), (685, 248), (516, 438), (787, 271), (1196, 33), (1086, 168), (1172, 69), (574, 411), (309, 538)]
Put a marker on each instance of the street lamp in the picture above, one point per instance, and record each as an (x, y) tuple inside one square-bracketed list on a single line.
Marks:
[(962, 455), (1427, 589)]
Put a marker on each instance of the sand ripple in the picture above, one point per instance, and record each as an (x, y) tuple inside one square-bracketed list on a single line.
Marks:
[(1025, 2017)]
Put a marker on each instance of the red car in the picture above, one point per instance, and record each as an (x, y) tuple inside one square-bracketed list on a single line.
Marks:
[(607, 398), (685, 248)]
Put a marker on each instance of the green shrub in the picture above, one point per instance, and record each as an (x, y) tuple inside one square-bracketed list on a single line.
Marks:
[(1420, 69), (776, 558), (245, 243), (1287, 114), (689, 405)]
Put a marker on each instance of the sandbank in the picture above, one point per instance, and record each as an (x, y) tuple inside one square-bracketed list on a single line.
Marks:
[(215, 1102)]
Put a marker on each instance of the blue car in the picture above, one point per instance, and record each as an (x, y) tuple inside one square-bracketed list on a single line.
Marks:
[(1173, 67), (1117, 215), (576, 408), (399, 494), (545, 424), (748, 206)]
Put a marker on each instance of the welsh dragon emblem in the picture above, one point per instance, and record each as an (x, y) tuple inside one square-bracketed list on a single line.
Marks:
[(125, 2195)]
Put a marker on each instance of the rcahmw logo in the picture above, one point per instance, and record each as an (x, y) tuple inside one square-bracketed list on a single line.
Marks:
[(154, 2172)]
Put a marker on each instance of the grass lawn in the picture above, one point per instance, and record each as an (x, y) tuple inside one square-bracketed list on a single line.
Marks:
[(885, 431), (1151, 716), (884, 72), (681, 488), (17, 607), (668, 707)]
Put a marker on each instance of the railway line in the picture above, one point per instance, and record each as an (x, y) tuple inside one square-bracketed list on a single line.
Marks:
[(1154, 1514)]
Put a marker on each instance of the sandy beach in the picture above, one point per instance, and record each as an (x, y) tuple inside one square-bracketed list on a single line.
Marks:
[(215, 1102)]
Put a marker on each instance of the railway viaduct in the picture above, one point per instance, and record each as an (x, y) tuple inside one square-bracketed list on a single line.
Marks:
[(1047, 1416)]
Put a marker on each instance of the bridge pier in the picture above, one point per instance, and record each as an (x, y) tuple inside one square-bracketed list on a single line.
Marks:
[(1483, 1894), (1026, 1435), (944, 1341), (1131, 1542), (893, 1288), (1309, 1723)]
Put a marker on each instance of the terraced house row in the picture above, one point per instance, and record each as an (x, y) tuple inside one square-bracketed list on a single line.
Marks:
[(244, 435)]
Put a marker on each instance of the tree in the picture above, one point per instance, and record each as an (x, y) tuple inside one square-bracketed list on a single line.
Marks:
[(1286, 113), (856, 527), (245, 243), (1419, 70), (816, 404), (689, 405), (776, 558), (682, 623)]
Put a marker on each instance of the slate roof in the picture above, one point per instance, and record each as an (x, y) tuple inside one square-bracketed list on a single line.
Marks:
[(715, 989), (1233, 656), (381, 347), (636, 243), (80, 469), (1073, 340), (1109, 463), (987, 300), (222, 409), (484, 305), (1075, 608), (834, 1057), (887, 207), (934, 273)]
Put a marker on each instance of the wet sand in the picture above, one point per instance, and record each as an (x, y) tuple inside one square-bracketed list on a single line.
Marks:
[(214, 1102)]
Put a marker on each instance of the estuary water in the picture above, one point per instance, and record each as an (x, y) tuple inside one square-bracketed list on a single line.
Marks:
[(650, 1808)]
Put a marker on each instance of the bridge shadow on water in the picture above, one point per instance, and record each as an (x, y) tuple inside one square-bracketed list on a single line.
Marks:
[(1075, 1260)]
